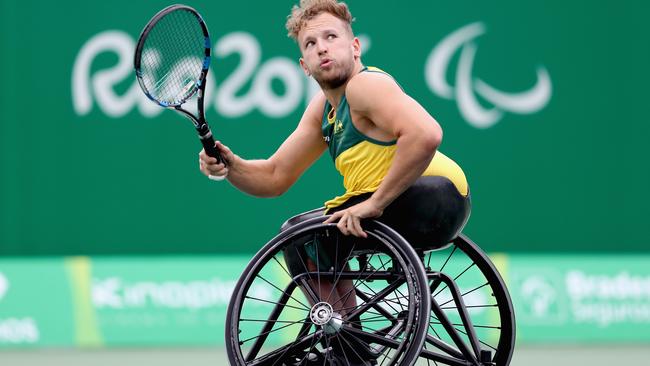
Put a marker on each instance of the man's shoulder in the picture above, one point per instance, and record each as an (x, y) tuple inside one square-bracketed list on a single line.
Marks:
[(370, 85), (314, 112), (317, 103)]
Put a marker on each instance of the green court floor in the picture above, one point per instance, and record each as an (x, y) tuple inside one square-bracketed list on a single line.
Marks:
[(601, 355)]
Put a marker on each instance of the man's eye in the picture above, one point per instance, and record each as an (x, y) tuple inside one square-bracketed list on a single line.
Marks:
[(310, 43), (331, 36)]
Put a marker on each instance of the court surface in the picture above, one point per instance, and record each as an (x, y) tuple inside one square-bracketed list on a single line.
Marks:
[(599, 355)]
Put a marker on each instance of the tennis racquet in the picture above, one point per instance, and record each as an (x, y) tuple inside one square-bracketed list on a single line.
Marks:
[(171, 63)]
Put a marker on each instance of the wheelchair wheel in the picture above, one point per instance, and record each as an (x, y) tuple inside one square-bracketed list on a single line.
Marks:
[(472, 320), (278, 317)]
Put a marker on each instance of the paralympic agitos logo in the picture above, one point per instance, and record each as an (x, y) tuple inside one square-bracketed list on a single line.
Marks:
[(96, 88), (467, 85)]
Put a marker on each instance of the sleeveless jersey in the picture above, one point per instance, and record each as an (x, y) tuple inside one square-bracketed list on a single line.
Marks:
[(364, 162)]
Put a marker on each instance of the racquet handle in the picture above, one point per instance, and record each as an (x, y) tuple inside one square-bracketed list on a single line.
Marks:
[(210, 149)]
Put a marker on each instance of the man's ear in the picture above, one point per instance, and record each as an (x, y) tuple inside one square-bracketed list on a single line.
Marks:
[(356, 45), (304, 67)]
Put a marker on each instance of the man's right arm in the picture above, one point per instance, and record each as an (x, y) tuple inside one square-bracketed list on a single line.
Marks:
[(273, 176)]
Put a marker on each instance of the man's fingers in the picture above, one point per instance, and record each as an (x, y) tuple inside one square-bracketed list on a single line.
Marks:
[(343, 227), (351, 227), (206, 158), (347, 223), (358, 230), (221, 147), (209, 167), (219, 173), (343, 223), (335, 216), (214, 169), (224, 150)]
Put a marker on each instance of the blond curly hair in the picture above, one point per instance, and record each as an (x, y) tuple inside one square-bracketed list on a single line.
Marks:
[(309, 9)]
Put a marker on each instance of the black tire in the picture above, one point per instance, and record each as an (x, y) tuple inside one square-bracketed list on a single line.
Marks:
[(388, 323), (485, 297)]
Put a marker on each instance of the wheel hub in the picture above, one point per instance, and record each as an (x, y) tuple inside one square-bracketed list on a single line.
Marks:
[(322, 314)]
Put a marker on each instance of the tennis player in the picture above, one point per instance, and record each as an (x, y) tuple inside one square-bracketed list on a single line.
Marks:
[(382, 141)]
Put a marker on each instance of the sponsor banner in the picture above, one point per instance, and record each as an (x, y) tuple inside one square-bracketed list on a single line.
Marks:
[(35, 304), (581, 298), (154, 301)]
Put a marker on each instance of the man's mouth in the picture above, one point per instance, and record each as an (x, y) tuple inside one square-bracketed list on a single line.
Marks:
[(326, 63)]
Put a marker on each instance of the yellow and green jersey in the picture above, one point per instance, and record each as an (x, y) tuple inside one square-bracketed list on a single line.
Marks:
[(364, 162)]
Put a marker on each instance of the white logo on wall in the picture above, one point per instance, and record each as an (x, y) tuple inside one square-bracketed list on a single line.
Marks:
[(99, 87), (115, 293), (148, 304), (606, 299), (539, 296), (467, 86), (542, 298), (16, 330), (4, 285)]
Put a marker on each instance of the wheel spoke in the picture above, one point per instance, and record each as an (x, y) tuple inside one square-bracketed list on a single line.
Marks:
[(275, 303), (371, 338), (284, 292), (455, 278), (463, 295), (271, 331), (361, 271), (382, 322), (387, 302), (471, 306), (274, 321), (272, 358), (397, 289), (372, 301), (287, 272)]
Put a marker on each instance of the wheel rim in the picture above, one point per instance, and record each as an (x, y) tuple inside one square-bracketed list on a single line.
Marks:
[(385, 323), (486, 299)]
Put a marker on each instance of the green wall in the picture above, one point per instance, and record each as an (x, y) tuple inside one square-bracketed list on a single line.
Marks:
[(555, 148)]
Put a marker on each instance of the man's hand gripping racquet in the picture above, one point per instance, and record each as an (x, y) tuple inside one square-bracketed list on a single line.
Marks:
[(171, 63)]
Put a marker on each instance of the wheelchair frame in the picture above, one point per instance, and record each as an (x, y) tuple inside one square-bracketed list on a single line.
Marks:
[(315, 332)]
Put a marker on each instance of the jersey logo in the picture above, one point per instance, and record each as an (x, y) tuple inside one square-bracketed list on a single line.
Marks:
[(338, 126)]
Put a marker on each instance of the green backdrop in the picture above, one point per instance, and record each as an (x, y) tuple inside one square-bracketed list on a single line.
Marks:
[(543, 103)]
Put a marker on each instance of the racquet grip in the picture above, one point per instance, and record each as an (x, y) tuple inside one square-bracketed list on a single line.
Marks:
[(210, 149)]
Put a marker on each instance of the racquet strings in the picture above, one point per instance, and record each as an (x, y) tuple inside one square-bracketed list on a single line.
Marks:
[(172, 57)]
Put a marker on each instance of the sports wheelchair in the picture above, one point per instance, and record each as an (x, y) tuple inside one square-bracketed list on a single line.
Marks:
[(434, 306)]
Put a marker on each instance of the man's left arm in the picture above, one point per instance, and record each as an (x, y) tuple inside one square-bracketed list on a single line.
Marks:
[(378, 98)]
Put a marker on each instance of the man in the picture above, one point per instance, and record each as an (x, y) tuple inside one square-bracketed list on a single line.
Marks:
[(406, 135), (382, 142)]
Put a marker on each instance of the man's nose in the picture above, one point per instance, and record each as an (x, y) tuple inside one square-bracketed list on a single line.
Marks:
[(321, 47)]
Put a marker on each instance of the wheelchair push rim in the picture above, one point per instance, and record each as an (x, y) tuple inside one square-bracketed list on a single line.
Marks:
[(303, 325)]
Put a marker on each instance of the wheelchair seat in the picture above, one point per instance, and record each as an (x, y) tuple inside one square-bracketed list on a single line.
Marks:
[(429, 214)]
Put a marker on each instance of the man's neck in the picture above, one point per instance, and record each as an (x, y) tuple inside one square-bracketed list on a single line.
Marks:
[(334, 95)]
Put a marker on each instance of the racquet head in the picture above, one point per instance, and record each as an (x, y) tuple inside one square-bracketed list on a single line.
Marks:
[(173, 55)]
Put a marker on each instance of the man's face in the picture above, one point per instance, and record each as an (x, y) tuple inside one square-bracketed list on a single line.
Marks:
[(328, 50)]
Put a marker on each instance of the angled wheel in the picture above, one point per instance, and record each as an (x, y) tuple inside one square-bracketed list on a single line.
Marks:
[(367, 301), (472, 317)]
